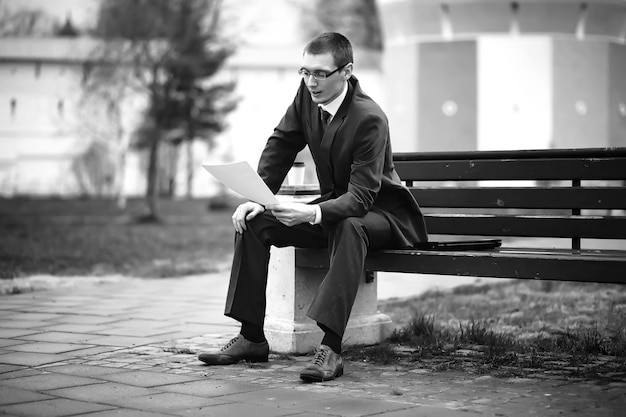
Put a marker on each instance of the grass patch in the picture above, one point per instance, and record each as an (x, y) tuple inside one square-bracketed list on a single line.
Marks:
[(384, 353), (515, 328), (95, 237)]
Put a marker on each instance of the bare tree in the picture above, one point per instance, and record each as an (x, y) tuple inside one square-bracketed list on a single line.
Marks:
[(24, 22)]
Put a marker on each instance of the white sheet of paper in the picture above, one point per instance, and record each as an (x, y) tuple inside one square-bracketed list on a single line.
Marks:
[(242, 179)]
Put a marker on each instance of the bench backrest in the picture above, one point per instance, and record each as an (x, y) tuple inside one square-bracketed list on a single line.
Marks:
[(573, 194)]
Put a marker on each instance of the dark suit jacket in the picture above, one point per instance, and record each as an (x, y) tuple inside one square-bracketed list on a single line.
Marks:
[(353, 162)]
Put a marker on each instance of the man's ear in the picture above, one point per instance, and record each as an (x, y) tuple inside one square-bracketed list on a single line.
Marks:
[(347, 70)]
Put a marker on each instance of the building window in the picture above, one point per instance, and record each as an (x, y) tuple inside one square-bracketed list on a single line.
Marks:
[(514, 18), (61, 108), (13, 105), (87, 68)]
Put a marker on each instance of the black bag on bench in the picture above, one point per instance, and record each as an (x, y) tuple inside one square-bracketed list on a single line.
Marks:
[(452, 245)]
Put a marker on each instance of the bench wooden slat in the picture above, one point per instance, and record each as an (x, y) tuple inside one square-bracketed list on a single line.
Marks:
[(502, 263), (506, 263), (593, 227), (550, 154), (525, 169), (523, 197)]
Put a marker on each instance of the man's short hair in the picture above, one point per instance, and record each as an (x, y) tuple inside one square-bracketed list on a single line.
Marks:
[(335, 43)]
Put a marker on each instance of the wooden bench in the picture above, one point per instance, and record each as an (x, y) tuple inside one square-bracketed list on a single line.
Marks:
[(560, 215)]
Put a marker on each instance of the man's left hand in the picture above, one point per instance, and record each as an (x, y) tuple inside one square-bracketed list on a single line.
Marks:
[(292, 214)]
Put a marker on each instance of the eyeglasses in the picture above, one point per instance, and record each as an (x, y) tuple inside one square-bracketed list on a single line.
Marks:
[(318, 75)]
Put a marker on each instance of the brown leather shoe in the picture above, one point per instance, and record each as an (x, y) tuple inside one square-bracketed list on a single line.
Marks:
[(325, 366), (238, 349)]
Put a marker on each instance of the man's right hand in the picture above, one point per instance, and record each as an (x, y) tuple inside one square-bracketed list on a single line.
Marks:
[(244, 213)]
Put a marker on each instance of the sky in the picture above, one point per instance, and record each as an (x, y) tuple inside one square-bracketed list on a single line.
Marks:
[(82, 12)]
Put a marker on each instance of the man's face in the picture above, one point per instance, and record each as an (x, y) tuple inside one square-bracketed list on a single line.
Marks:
[(324, 91)]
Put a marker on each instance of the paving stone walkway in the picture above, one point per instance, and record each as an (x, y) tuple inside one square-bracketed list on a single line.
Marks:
[(127, 347)]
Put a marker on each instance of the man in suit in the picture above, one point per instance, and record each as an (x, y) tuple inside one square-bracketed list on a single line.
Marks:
[(363, 206)]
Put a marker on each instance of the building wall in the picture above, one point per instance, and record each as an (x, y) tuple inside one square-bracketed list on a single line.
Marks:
[(580, 85), (37, 111), (42, 95), (617, 95), (45, 124), (515, 95), (545, 74), (401, 64), (447, 96)]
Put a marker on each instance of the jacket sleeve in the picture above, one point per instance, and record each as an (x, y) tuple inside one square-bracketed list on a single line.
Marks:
[(283, 146)]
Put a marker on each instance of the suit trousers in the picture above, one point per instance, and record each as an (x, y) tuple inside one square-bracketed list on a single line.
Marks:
[(348, 242)]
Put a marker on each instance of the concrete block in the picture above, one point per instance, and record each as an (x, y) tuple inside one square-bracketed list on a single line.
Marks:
[(290, 291)]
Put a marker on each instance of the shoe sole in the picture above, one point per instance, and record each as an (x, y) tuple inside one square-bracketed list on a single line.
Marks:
[(317, 378), (232, 361), (256, 359)]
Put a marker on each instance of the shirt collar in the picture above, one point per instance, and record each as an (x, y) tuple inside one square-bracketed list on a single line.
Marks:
[(333, 106)]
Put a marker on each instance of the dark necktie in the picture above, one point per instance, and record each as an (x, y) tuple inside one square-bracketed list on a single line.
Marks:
[(324, 116)]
